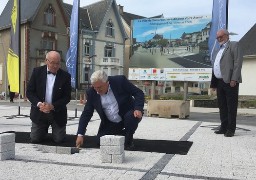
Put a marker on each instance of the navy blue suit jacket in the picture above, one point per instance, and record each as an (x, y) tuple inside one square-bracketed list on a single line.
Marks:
[(61, 94), (128, 97)]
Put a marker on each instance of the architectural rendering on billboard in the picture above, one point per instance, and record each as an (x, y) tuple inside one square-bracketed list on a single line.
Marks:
[(176, 43)]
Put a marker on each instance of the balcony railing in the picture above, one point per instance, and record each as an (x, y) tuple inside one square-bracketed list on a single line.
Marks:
[(110, 61)]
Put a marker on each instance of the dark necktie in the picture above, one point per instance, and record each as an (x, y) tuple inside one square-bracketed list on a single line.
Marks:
[(49, 72)]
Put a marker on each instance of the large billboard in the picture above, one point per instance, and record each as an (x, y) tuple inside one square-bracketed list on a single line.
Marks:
[(175, 43)]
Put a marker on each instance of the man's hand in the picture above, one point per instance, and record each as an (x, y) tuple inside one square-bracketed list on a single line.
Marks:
[(79, 141), (137, 114), (232, 83), (45, 107)]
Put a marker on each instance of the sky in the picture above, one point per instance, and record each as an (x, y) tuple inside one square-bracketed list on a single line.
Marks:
[(240, 21)]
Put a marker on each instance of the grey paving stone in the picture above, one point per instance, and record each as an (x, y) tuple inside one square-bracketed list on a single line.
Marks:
[(7, 147), (7, 138), (106, 158), (118, 158), (49, 149), (112, 149), (117, 141), (63, 150), (66, 150), (106, 140), (111, 140), (7, 155)]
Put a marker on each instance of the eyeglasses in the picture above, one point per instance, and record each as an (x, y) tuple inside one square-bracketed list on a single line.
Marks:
[(220, 37), (101, 87), (53, 63)]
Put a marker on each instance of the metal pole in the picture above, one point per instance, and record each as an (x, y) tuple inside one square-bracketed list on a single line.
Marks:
[(76, 105), (5, 66), (185, 90), (153, 90)]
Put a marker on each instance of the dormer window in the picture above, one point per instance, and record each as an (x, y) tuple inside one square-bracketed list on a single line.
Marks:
[(110, 28), (49, 16)]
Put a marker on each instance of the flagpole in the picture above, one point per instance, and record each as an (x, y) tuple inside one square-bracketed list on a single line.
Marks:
[(227, 14), (5, 66), (14, 55), (78, 55), (19, 53), (73, 51)]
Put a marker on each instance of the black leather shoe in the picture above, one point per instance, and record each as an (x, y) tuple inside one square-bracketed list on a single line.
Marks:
[(220, 131), (229, 134)]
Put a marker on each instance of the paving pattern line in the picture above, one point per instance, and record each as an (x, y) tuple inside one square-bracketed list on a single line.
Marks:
[(80, 165), (193, 176), (159, 166)]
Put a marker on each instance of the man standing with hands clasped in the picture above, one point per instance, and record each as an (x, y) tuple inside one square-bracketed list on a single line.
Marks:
[(119, 104), (49, 91), (226, 76)]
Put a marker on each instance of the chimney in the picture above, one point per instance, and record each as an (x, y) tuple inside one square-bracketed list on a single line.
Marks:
[(121, 9)]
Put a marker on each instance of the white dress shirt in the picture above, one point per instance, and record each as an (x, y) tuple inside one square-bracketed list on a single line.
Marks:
[(49, 87), (110, 106), (216, 67)]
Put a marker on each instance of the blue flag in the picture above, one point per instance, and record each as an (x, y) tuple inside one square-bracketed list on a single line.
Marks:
[(71, 57), (219, 21)]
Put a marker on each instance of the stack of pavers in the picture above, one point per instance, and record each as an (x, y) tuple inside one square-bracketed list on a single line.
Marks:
[(112, 149), (7, 146)]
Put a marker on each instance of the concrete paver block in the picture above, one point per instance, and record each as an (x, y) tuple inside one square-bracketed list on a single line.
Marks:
[(118, 158), (117, 141), (49, 149), (7, 155), (7, 138), (106, 158), (111, 140), (112, 149), (7, 147), (106, 140), (63, 150), (66, 150)]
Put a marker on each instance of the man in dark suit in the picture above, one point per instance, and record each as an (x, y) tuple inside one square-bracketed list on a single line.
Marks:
[(49, 91), (226, 77), (119, 104)]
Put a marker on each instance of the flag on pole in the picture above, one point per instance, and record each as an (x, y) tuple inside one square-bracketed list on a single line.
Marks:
[(13, 59), (219, 21), (71, 57)]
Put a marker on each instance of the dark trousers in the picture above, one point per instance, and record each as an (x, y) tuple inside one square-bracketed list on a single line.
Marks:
[(126, 127), (39, 131), (11, 94), (227, 101)]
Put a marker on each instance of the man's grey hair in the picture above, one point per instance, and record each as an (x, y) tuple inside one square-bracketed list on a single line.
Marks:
[(99, 76), (224, 31), (52, 53)]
